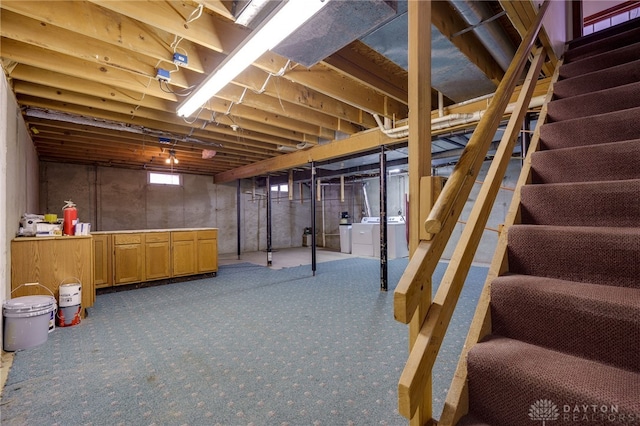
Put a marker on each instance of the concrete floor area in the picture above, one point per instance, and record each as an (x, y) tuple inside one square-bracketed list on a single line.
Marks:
[(283, 258)]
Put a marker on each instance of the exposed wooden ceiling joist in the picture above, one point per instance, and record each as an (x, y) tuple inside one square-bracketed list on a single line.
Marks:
[(95, 62)]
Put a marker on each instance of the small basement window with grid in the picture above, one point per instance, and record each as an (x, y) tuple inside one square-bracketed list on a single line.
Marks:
[(281, 188), (164, 179)]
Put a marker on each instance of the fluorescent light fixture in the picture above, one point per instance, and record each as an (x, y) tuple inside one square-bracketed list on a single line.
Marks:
[(284, 21), (250, 11)]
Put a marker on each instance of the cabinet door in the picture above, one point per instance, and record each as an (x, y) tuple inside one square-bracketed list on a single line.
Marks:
[(207, 255), (183, 246), (157, 260), (102, 261), (128, 263)]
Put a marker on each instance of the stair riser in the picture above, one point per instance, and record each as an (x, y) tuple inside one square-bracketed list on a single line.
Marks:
[(604, 128), (606, 256), (602, 46), (602, 61), (598, 80), (600, 102), (580, 319), (506, 381), (612, 161), (614, 203)]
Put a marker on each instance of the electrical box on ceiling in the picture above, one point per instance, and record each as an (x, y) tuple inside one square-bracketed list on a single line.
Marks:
[(180, 59), (335, 26), (163, 75)]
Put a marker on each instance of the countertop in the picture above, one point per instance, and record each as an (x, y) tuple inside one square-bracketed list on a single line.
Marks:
[(141, 231), (52, 237)]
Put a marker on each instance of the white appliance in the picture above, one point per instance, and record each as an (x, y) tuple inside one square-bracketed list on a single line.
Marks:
[(397, 245), (365, 237), (345, 238)]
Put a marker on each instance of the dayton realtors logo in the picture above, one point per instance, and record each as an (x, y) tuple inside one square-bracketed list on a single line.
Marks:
[(545, 410)]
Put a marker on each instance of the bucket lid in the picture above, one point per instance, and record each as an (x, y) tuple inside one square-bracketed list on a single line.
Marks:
[(26, 306)]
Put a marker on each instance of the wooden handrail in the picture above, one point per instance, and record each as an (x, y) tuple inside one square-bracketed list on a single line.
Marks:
[(410, 288), (454, 406), (484, 132), (427, 344), (410, 292)]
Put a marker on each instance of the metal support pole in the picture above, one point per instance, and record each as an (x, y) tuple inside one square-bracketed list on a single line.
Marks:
[(238, 221), (383, 221), (269, 254), (313, 218)]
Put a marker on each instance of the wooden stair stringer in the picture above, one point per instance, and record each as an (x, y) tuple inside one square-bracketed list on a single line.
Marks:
[(457, 402)]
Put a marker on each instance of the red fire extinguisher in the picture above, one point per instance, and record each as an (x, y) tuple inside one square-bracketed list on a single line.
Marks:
[(70, 218)]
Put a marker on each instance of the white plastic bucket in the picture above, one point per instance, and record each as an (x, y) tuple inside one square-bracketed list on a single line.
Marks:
[(70, 304), (70, 294), (26, 321)]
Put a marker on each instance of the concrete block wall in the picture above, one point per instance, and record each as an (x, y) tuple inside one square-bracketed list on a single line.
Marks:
[(120, 199)]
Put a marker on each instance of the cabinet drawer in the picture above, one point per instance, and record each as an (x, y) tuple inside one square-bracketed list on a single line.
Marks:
[(208, 235), (157, 237), (127, 239), (183, 236)]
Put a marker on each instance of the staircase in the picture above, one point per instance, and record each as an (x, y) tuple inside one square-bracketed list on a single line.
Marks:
[(564, 342)]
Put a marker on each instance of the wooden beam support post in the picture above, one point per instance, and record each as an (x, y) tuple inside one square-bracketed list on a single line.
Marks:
[(419, 16)]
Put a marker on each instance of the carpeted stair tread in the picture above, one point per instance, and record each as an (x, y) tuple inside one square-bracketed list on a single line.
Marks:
[(596, 47), (605, 33), (601, 61), (610, 127), (601, 203), (598, 80), (469, 420), (507, 378), (569, 317), (607, 161), (593, 103), (598, 255)]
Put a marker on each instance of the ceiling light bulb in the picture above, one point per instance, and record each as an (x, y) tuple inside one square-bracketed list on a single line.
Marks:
[(175, 160), (168, 161)]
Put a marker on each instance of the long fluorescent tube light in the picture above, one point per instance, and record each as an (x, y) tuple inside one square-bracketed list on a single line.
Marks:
[(288, 18), (250, 11)]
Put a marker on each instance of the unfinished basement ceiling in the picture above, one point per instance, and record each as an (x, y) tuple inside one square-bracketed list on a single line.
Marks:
[(84, 75), (449, 67)]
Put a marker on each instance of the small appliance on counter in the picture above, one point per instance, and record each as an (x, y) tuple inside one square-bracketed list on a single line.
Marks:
[(37, 225)]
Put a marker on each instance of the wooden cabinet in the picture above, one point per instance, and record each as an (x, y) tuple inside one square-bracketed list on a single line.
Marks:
[(103, 273), (207, 251), (157, 254), (183, 256), (52, 261), (128, 258)]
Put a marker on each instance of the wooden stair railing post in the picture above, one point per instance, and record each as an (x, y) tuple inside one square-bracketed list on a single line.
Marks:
[(427, 346), (419, 145), (411, 290)]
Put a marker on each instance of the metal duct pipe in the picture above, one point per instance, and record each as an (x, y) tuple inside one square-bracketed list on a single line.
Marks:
[(490, 34)]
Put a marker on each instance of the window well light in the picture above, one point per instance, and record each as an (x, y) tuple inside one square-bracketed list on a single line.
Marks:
[(291, 15)]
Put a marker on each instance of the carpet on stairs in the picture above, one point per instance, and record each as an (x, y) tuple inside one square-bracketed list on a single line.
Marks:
[(565, 316)]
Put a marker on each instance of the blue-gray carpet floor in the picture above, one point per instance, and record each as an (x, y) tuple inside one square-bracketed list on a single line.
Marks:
[(252, 346)]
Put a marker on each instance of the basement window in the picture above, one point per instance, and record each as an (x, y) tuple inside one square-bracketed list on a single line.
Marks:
[(281, 188), (164, 179)]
